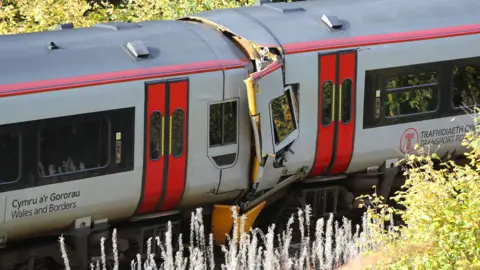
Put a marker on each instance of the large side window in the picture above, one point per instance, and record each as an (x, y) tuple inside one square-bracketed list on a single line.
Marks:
[(223, 123), (466, 86), (411, 94), (283, 118), (73, 147), (9, 157), (414, 91), (177, 133), (156, 135)]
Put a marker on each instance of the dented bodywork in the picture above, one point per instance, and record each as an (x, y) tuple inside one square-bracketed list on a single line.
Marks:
[(268, 99), (264, 85)]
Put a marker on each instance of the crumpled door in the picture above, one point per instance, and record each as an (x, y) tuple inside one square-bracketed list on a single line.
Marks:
[(274, 121)]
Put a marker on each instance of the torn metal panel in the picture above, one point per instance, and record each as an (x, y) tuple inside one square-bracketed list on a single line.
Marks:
[(268, 176), (268, 75), (253, 50), (241, 23), (265, 85)]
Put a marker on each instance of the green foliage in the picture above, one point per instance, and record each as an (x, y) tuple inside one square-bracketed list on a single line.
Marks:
[(440, 213), (410, 93), (282, 117), (20, 16)]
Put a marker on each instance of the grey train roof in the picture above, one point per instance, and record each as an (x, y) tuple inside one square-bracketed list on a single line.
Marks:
[(289, 23), (84, 51)]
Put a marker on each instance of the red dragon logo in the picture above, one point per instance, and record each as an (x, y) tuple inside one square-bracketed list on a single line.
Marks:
[(408, 140)]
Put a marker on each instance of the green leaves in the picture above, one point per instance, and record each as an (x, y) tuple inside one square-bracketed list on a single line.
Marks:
[(22, 16)]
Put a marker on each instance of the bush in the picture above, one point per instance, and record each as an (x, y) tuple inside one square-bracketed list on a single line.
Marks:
[(440, 212), (20, 16)]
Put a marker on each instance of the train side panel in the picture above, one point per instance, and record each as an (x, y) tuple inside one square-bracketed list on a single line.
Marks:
[(53, 202), (55, 205), (237, 137), (374, 145), (307, 95), (388, 139), (219, 142)]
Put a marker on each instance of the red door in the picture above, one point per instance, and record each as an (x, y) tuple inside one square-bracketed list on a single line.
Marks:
[(336, 113), (165, 160)]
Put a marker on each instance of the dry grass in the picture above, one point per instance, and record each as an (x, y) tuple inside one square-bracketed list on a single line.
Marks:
[(332, 246)]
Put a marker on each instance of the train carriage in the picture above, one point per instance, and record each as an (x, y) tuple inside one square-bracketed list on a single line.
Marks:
[(133, 124)]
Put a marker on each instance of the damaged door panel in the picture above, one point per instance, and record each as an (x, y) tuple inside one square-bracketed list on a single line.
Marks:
[(272, 109), (274, 125), (274, 122), (267, 85)]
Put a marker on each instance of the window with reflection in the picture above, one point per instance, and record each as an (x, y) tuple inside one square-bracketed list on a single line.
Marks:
[(73, 147), (216, 137), (223, 123), (411, 94), (155, 135), (177, 133), (327, 92), (9, 157), (466, 86), (346, 100), (283, 118), (229, 122)]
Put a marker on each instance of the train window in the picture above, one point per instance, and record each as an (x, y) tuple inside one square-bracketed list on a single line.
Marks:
[(177, 133), (283, 118), (409, 80), (230, 122), (223, 123), (73, 147), (411, 94), (216, 124), (346, 100), (156, 133), (327, 92), (466, 86), (9, 157)]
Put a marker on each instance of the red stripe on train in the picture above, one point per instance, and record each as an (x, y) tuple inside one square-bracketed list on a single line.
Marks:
[(379, 39), (153, 181), (177, 165), (325, 134), (118, 76), (345, 137)]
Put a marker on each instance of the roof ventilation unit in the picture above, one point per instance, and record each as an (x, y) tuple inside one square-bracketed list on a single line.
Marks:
[(52, 46), (138, 49), (332, 22), (64, 26)]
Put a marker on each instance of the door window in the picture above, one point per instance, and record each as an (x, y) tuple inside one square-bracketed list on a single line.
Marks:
[(346, 101), (223, 133), (177, 133), (156, 135), (283, 118), (327, 93)]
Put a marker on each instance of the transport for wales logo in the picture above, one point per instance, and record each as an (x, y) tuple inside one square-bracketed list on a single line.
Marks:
[(408, 140)]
